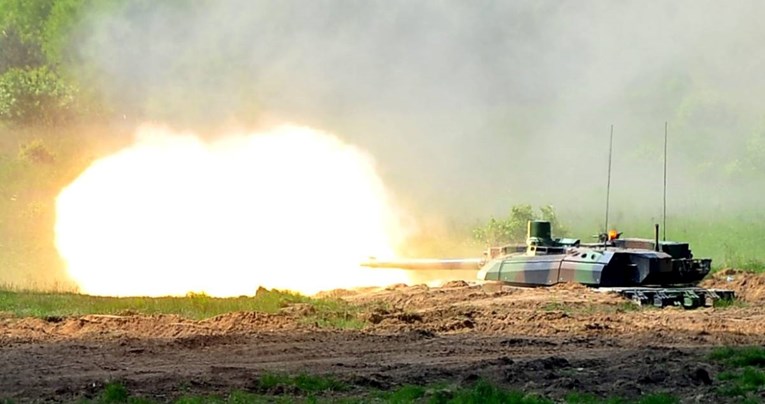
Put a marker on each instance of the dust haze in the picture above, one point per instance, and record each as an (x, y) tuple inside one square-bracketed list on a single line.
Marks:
[(467, 107)]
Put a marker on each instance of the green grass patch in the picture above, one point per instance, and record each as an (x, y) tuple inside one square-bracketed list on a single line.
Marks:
[(239, 397), (659, 398), (729, 303), (556, 306), (334, 313), (485, 392), (588, 398), (302, 383), (405, 394), (480, 392), (744, 377), (305, 388), (329, 313), (114, 393), (740, 356)]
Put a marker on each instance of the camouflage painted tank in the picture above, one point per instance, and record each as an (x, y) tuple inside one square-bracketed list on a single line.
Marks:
[(646, 271)]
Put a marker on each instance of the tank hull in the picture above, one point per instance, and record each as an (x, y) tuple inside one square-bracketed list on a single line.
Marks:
[(607, 267)]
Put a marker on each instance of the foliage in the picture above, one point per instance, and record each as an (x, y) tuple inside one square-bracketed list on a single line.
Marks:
[(26, 16), (21, 26), (33, 96), (57, 33), (33, 36), (115, 393), (513, 228), (35, 151), (15, 52)]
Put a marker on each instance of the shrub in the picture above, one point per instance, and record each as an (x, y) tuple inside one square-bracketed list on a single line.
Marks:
[(513, 228), (35, 151), (35, 95)]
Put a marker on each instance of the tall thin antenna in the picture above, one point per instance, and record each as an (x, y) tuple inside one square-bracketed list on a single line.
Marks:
[(608, 186), (664, 214)]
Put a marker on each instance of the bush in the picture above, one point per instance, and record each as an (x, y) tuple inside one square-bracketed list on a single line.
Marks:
[(35, 96), (513, 228), (36, 151)]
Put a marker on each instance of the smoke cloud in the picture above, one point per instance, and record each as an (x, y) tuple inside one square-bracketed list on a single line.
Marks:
[(468, 107)]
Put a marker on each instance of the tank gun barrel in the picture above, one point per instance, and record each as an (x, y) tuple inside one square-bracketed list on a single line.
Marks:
[(426, 263)]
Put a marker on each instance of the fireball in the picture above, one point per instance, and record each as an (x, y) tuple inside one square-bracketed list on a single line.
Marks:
[(291, 208)]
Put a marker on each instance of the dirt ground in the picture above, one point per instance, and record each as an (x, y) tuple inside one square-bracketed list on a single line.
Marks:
[(549, 341)]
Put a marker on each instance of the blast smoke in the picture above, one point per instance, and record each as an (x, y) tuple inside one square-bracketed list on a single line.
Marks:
[(469, 107)]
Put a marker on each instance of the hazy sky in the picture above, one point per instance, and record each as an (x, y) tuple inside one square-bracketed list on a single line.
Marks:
[(468, 107)]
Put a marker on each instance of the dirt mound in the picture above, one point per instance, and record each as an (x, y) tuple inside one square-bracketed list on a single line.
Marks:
[(339, 293), (566, 309), (749, 287), (160, 326), (458, 307), (545, 340)]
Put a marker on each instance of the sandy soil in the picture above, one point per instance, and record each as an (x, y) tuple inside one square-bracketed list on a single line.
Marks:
[(550, 341)]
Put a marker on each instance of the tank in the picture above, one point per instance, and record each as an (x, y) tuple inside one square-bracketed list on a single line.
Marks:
[(660, 273)]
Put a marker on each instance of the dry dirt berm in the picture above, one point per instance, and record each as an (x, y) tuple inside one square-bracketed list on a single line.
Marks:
[(549, 341)]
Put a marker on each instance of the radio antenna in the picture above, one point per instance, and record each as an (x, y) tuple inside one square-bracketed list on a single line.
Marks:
[(664, 214), (608, 184)]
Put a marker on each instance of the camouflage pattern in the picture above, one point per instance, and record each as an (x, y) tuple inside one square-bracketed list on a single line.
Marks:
[(613, 263), (608, 266)]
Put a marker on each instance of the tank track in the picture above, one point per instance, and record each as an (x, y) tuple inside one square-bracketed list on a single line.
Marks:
[(686, 297)]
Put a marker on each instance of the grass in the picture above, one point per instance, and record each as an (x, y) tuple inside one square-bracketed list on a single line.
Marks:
[(744, 377), (334, 313), (302, 383), (586, 398), (731, 238), (327, 313), (729, 303), (484, 392), (739, 356), (405, 394), (305, 388)]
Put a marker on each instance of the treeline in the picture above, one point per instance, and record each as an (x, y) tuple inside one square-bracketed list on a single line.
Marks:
[(38, 84), (33, 86)]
